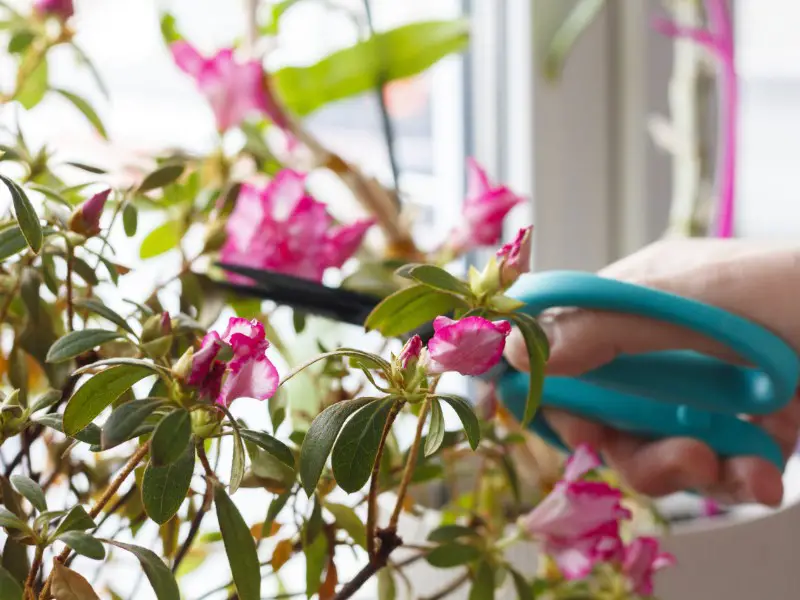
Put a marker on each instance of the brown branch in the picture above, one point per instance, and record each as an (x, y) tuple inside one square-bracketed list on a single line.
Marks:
[(389, 542), (411, 463), (372, 510), (33, 573), (104, 499)]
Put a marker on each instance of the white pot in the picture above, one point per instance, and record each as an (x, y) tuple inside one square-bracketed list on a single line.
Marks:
[(751, 555)]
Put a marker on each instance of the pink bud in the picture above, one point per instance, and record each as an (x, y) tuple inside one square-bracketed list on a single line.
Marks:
[(642, 559), (62, 9), (166, 323), (515, 257), (470, 346), (86, 218), (409, 355)]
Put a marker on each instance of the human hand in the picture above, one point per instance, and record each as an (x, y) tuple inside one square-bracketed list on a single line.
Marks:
[(757, 280)]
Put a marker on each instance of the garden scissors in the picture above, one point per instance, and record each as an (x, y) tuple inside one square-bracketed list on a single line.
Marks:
[(656, 395)]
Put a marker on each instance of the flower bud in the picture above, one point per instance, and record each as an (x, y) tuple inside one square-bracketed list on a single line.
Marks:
[(183, 367), (515, 257), (409, 355), (63, 9), (86, 218), (485, 283), (205, 422)]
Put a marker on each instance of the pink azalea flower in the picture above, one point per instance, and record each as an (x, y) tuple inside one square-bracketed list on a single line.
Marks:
[(470, 346), (485, 207), (86, 218), (410, 352), (63, 9), (281, 228), (515, 257), (234, 89), (245, 371), (579, 520), (642, 559)]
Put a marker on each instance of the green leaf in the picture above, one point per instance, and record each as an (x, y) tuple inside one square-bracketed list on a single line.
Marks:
[(11, 521), (133, 362), (410, 308), (89, 435), (349, 521), (237, 463), (27, 218), (121, 426), (20, 41), (320, 437), (168, 29), (522, 585), (437, 278), (240, 547), (469, 420), (82, 268), (96, 306), (537, 357), (84, 60), (11, 242), (46, 400), (449, 533), (452, 555), (276, 11), (158, 574), (88, 168), (277, 408), (275, 507), (395, 54), (87, 110), (77, 342), (83, 543), (164, 488), (316, 555), (130, 219), (9, 588), (583, 14), (98, 393), (161, 177), (270, 444), (355, 451), (483, 584), (162, 239), (387, 589), (77, 519), (31, 490), (170, 438), (435, 435), (33, 88)]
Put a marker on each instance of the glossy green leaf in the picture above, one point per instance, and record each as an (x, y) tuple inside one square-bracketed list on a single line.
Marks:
[(277, 408), (537, 358), (97, 307), (121, 426), (11, 521), (523, 587), (132, 362), (162, 239), (240, 547), (237, 463), (10, 589), (30, 490), (320, 437), (449, 533), (83, 543), (582, 15), (170, 438), (469, 420), (86, 109), (395, 54), (349, 521), (77, 519), (161, 177), (98, 393), (11, 242), (410, 308), (483, 583), (77, 342), (130, 219), (437, 278), (34, 87), (435, 435), (316, 555), (164, 488), (357, 446), (452, 555), (270, 444), (46, 400), (89, 435), (27, 218), (157, 573)]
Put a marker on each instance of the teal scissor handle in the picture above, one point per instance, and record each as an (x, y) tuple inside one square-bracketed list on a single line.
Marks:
[(664, 394)]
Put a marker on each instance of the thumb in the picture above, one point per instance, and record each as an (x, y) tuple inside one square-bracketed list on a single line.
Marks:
[(582, 340)]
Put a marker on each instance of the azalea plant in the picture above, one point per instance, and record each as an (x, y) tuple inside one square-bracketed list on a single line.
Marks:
[(116, 423)]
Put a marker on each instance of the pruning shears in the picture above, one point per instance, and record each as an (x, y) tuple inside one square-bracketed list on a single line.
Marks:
[(656, 395)]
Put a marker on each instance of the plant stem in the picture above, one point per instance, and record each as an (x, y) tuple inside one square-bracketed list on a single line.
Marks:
[(70, 307), (33, 573), (195, 527), (104, 499), (411, 463), (372, 511)]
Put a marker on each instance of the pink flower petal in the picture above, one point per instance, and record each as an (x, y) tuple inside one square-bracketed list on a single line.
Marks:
[(515, 257), (255, 378), (642, 559), (204, 358), (470, 346), (583, 460), (410, 351), (343, 241), (247, 339), (187, 58)]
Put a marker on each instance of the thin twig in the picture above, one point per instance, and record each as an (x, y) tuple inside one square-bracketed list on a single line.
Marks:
[(449, 588), (33, 573), (389, 542), (372, 510), (411, 463), (195, 527), (70, 307)]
